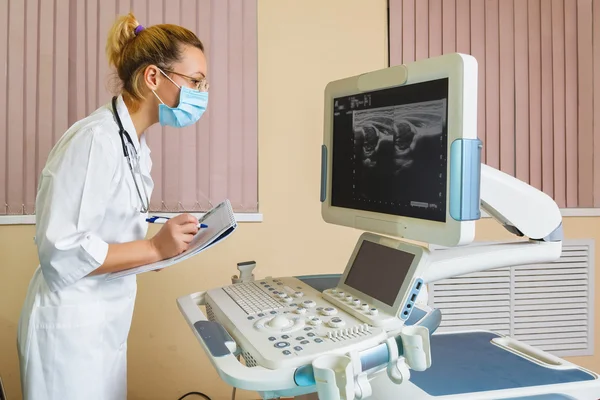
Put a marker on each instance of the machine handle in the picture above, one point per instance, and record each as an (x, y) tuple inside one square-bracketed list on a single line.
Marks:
[(533, 354), (219, 346)]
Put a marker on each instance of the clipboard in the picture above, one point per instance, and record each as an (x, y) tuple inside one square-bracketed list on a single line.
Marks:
[(221, 223)]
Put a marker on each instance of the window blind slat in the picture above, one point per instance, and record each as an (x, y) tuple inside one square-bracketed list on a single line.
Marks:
[(478, 51), (187, 167), (535, 93), (3, 102), (203, 126), (558, 97), (435, 33), (492, 75), (587, 89), (91, 56), (395, 28), (521, 91), (155, 134), (172, 137), (16, 118), (124, 6), (463, 31), (250, 107), (507, 89), (421, 30), (235, 94), (30, 104), (547, 103), (408, 31), (45, 67), (448, 26), (219, 159), (596, 139), (571, 127)]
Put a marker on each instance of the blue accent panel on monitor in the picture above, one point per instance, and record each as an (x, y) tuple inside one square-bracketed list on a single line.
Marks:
[(323, 173), (465, 173)]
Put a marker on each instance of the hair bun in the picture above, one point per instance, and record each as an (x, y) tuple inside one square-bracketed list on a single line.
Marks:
[(123, 30)]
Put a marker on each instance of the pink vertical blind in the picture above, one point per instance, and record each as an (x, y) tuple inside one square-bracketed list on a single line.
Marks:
[(539, 82), (53, 71)]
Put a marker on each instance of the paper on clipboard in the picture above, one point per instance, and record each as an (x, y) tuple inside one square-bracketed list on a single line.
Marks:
[(221, 223)]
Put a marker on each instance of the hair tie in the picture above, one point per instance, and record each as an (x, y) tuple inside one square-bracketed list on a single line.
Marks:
[(138, 29)]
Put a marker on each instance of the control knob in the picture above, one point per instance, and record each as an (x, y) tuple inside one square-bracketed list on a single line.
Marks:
[(336, 322), (329, 311)]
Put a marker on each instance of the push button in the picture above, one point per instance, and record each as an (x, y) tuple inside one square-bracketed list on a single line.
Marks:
[(286, 352), (272, 339), (309, 303), (281, 345)]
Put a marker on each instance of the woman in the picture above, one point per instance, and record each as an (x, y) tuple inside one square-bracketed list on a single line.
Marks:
[(91, 218)]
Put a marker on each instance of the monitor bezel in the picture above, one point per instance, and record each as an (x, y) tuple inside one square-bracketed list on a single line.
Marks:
[(418, 264), (461, 71)]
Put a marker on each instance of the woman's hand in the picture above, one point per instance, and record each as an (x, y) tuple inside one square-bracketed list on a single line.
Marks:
[(175, 236)]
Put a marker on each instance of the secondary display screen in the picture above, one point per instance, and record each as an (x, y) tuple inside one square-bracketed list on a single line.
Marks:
[(379, 271), (390, 151)]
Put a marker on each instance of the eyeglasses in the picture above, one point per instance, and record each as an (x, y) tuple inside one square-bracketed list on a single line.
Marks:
[(199, 84)]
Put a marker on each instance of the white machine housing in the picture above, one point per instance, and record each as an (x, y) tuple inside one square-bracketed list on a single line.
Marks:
[(251, 317), (461, 123)]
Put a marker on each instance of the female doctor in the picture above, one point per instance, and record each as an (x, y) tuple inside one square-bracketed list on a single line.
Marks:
[(91, 211)]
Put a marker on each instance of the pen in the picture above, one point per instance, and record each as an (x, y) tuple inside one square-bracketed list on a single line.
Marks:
[(154, 220)]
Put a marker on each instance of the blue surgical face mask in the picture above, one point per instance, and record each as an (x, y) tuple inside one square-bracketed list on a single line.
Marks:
[(192, 104)]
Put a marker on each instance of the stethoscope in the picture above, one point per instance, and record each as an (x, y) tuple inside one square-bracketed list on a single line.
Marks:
[(132, 160)]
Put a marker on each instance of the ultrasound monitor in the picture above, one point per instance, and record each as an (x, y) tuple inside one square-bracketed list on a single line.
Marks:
[(381, 281), (400, 151)]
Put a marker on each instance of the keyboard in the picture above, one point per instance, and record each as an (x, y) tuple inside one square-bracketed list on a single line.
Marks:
[(252, 299)]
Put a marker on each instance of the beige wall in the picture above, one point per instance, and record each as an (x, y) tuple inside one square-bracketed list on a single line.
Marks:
[(302, 46)]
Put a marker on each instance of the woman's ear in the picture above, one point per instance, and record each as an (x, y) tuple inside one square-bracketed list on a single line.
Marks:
[(151, 77)]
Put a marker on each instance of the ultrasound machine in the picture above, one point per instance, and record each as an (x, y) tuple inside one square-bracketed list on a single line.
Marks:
[(400, 162)]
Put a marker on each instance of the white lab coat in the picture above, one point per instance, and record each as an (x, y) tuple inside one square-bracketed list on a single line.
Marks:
[(72, 335)]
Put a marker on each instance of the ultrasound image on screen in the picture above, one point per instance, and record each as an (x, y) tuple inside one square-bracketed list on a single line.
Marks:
[(379, 271), (390, 151)]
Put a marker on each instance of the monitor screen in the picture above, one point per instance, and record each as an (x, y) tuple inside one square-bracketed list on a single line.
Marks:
[(379, 271), (390, 151)]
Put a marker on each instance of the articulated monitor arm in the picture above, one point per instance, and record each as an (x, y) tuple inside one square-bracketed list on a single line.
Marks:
[(519, 207), (524, 211)]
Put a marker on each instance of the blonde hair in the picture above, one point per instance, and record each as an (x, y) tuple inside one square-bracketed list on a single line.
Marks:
[(131, 48)]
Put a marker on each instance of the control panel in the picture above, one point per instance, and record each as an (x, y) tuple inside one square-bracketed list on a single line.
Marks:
[(283, 322), (371, 313)]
